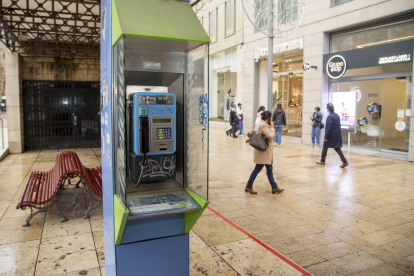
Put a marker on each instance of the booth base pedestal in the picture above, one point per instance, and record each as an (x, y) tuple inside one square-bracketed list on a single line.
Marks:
[(166, 256)]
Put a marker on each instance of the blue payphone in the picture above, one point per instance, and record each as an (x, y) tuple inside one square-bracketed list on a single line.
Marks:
[(152, 133)]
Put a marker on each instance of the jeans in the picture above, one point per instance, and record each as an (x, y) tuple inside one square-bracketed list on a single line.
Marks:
[(278, 136), (316, 132), (338, 151), (269, 172), (241, 127)]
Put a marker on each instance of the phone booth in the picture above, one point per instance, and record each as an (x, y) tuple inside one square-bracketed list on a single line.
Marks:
[(154, 117)]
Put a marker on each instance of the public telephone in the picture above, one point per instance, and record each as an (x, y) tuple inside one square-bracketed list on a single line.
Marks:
[(151, 128)]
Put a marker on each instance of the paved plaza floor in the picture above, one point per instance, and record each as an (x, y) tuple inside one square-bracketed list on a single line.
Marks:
[(328, 221)]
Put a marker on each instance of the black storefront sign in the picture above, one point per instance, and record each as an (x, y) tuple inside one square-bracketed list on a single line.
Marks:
[(336, 67), (391, 53)]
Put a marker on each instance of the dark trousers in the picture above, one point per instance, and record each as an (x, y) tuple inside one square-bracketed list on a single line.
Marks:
[(338, 151), (269, 172), (233, 129)]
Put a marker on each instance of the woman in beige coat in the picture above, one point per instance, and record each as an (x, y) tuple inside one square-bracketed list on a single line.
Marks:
[(264, 158)]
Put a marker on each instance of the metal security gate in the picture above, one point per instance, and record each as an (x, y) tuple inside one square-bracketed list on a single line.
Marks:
[(61, 114)]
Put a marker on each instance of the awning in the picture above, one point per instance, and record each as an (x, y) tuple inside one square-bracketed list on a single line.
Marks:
[(163, 19)]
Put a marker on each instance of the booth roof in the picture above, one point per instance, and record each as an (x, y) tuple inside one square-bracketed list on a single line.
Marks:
[(165, 19)]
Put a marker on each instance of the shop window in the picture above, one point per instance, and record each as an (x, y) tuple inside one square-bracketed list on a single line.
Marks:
[(374, 36), (289, 10), (261, 18), (213, 25), (230, 18), (338, 2)]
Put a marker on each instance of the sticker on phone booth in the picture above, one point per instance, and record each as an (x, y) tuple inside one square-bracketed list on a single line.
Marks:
[(143, 111)]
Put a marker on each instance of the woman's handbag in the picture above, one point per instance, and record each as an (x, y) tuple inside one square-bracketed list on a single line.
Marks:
[(258, 141)]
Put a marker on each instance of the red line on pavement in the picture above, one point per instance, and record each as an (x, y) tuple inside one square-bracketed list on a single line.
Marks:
[(261, 243)]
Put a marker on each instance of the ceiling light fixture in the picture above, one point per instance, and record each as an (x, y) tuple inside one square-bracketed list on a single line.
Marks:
[(385, 41)]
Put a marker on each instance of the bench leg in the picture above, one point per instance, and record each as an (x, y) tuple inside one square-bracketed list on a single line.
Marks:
[(26, 222), (91, 206), (62, 216)]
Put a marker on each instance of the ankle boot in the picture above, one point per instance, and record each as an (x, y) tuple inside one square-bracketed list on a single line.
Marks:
[(247, 190), (278, 190)]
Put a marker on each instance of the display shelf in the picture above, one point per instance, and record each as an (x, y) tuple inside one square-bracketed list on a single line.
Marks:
[(160, 202)]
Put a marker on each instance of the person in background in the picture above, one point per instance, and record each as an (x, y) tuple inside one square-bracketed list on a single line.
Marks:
[(264, 158), (240, 115), (279, 120), (333, 137), (259, 116), (344, 112), (258, 120), (316, 119), (234, 121)]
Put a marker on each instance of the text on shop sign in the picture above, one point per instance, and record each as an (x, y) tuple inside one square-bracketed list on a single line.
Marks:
[(393, 59)]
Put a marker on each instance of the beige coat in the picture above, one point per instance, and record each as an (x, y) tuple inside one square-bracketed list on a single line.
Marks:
[(265, 157)]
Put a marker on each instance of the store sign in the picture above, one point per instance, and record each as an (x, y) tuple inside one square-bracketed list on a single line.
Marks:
[(307, 66), (279, 48), (372, 108), (362, 121), (394, 59), (388, 53), (358, 94), (336, 67)]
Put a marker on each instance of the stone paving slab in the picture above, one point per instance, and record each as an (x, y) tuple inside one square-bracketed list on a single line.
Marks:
[(329, 220)]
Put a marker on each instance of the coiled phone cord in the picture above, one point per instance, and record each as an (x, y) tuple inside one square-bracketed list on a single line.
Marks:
[(128, 141), (140, 176)]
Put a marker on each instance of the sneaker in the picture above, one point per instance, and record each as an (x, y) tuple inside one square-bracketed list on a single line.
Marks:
[(320, 163), (344, 165), (278, 145), (275, 145)]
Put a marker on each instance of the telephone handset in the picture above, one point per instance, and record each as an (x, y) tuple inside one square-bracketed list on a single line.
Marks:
[(144, 133)]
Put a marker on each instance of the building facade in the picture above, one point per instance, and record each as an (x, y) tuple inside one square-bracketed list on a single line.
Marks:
[(224, 22), (374, 40)]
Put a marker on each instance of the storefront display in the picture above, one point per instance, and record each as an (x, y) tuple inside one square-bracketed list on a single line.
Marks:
[(345, 103), (380, 76)]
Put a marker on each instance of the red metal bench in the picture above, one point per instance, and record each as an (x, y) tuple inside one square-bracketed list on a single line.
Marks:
[(43, 190)]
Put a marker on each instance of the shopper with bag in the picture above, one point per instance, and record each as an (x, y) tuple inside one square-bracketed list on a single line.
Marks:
[(317, 125), (279, 121), (264, 156)]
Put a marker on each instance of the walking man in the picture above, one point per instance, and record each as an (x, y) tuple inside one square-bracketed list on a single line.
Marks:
[(333, 137), (240, 114), (234, 121)]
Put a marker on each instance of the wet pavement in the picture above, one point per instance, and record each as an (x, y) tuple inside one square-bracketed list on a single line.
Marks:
[(328, 221)]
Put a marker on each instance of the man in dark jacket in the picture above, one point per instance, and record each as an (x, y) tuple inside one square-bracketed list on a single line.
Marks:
[(333, 137), (279, 120), (234, 121)]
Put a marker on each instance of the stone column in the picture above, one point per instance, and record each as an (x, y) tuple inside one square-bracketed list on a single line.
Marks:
[(13, 92)]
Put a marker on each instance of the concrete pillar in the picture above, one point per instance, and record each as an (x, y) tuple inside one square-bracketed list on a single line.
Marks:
[(13, 92)]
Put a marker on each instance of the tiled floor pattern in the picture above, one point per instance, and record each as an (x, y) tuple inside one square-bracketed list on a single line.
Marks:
[(358, 221)]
